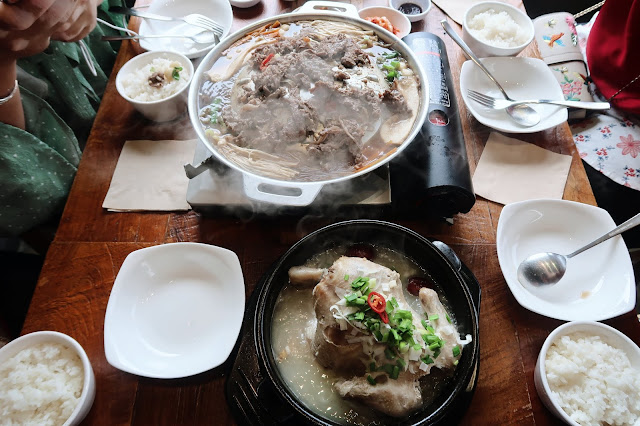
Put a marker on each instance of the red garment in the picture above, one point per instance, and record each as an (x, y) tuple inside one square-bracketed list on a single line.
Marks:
[(613, 52)]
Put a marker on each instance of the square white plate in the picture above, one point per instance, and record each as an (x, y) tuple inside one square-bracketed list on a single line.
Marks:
[(521, 78), (218, 10), (599, 283), (175, 310)]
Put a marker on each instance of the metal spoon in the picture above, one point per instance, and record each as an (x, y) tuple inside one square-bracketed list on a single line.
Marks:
[(522, 114), (548, 268)]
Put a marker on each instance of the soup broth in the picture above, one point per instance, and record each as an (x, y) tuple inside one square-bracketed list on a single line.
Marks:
[(293, 326), (308, 101)]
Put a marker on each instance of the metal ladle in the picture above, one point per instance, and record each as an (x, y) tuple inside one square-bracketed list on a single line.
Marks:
[(543, 269), (522, 114)]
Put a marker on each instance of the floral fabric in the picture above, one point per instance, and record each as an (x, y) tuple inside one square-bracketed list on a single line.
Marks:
[(610, 143)]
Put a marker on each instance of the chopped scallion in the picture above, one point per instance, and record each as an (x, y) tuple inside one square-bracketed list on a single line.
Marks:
[(456, 350), (371, 380), (433, 317)]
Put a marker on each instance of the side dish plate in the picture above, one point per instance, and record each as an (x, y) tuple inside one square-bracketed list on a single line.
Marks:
[(599, 283), (175, 310)]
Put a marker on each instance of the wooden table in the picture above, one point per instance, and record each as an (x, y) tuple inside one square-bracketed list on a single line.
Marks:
[(91, 244)]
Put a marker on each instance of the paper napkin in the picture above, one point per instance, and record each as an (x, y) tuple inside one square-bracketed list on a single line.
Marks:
[(511, 170), (455, 9), (150, 176)]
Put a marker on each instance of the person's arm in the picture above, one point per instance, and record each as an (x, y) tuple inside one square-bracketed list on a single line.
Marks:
[(11, 112), (26, 28)]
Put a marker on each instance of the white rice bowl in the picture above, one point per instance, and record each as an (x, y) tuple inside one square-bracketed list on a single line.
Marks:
[(41, 384), (135, 84), (497, 28), (592, 381)]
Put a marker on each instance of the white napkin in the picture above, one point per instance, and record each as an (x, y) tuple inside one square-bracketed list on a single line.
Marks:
[(150, 176), (511, 170)]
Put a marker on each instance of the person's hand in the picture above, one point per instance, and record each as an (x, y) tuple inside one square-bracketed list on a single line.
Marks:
[(81, 22), (27, 26)]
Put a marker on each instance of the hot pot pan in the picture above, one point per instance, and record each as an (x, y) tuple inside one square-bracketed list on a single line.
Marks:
[(292, 192), (257, 393)]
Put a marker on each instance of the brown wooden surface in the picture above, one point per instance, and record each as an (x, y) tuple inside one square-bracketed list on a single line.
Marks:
[(91, 244)]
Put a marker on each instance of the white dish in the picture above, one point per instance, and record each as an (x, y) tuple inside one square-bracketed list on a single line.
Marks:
[(599, 283), (482, 48), (243, 3), (89, 381), (521, 78), (162, 110), (175, 310), (399, 20), (425, 5), (218, 10), (608, 335)]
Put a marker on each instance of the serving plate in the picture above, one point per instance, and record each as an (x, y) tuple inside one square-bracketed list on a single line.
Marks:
[(175, 310), (521, 78), (218, 10), (599, 283)]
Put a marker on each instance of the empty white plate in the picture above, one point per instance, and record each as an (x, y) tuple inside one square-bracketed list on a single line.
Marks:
[(521, 78), (599, 283), (218, 10), (175, 310)]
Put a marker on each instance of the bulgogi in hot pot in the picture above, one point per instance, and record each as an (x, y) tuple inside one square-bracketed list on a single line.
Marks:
[(308, 101)]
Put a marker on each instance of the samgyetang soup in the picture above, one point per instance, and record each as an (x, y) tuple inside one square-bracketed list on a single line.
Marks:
[(308, 101)]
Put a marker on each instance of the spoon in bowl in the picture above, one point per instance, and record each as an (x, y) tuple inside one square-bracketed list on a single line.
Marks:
[(542, 269), (522, 114)]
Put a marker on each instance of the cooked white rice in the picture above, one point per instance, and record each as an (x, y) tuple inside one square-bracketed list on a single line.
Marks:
[(136, 84), (40, 385), (497, 29), (593, 382)]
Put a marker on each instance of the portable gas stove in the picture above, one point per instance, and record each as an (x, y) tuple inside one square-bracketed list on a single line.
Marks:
[(430, 177)]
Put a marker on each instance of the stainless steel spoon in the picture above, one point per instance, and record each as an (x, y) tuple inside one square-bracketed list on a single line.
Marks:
[(522, 114), (543, 269)]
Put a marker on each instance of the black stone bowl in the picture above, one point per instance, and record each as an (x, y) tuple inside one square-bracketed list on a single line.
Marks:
[(259, 395)]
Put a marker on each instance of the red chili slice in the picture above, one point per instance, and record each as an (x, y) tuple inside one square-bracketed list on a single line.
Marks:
[(266, 61), (384, 316), (376, 302)]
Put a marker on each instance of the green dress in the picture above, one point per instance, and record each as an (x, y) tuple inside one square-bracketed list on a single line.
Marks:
[(60, 97)]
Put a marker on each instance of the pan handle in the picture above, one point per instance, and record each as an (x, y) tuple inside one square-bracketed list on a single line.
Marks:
[(282, 193), (328, 6)]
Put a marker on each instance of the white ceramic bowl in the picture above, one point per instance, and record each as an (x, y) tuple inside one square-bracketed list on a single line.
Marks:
[(521, 78), (175, 310), (608, 334), (89, 383), (397, 19), (483, 49), (166, 109), (218, 10), (599, 283), (425, 5), (244, 3)]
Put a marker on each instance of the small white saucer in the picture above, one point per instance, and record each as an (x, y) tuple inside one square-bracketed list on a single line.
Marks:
[(218, 10), (521, 78), (175, 310), (599, 283)]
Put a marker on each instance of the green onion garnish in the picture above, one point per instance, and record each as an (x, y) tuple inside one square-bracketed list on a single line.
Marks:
[(456, 350), (371, 380), (394, 374), (433, 317), (176, 73), (448, 319), (427, 360), (372, 367), (395, 64), (346, 277)]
